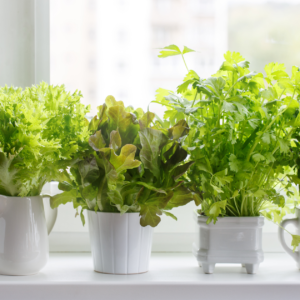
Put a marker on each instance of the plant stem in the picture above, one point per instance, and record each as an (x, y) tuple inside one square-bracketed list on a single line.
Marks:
[(243, 201), (194, 99), (228, 207), (184, 62), (282, 94), (236, 206), (188, 118), (243, 130), (219, 112)]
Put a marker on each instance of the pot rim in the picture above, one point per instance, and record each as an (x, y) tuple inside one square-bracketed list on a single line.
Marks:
[(18, 197), (105, 212), (228, 217)]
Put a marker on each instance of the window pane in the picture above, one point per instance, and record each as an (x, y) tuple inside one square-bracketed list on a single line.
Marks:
[(111, 47), (265, 31)]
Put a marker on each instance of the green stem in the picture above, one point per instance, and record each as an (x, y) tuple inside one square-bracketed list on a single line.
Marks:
[(185, 62), (236, 206), (282, 94), (243, 130), (188, 117), (230, 89), (264, 178), (219, 113), (228, 207), (194, 99), (243, 201)]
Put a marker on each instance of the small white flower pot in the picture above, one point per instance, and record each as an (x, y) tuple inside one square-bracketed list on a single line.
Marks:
[(120, 245), (230, 240)]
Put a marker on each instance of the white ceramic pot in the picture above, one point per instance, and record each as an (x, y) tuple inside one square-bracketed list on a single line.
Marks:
[(296, 222), (120, 245), (230, 240), (24, 248)]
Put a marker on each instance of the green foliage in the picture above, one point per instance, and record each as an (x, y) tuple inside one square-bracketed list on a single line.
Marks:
[(295, 241), (243, 137), (174, 50), (214, 209), (131, 166), (42, 128)]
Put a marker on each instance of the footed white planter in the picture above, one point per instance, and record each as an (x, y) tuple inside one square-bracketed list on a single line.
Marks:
[(120, 245), (230, 240)]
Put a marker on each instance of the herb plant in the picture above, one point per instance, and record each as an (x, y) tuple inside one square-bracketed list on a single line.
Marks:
[(242, 125), (41, 128), (131, 166)]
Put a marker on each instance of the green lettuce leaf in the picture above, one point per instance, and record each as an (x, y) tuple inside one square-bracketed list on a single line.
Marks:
[(63, 198), (134, 164), (152, 142), (42, 130)]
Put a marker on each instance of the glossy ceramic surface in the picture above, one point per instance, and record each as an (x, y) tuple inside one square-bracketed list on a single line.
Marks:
[(296, 222), (24, 248), (230, 240), (120, 245)]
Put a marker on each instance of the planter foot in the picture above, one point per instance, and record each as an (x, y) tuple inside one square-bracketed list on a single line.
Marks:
[(251, 268), (208, 268)]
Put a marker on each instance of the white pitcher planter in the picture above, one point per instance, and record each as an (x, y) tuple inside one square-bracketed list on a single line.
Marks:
[(296, 222), (24, 247), (120, 245), (230, 240)]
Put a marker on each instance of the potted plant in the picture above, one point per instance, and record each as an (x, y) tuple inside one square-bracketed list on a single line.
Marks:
[(241, 127), (41, 128), (130, 177)]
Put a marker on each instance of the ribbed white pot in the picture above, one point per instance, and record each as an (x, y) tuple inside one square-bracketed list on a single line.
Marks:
[(120, 245), (230, 240)]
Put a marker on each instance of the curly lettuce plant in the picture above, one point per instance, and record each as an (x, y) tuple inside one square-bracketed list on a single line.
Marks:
[(42, 128), (242, 125), (131, 166)]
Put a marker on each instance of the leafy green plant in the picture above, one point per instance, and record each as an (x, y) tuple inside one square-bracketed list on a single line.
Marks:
[(131, 166), (42, 128), (242, 125)]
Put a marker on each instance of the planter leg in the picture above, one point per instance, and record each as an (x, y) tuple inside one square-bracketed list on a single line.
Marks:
[(208, 268), (251, 268)]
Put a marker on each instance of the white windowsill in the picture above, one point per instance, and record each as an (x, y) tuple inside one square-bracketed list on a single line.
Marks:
[(171, 276)]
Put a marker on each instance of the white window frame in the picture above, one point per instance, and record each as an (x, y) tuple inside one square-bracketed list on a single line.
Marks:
[(25, 54)]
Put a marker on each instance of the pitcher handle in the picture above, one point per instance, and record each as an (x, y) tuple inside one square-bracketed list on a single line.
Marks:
[(51, 218), (283, 224)]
